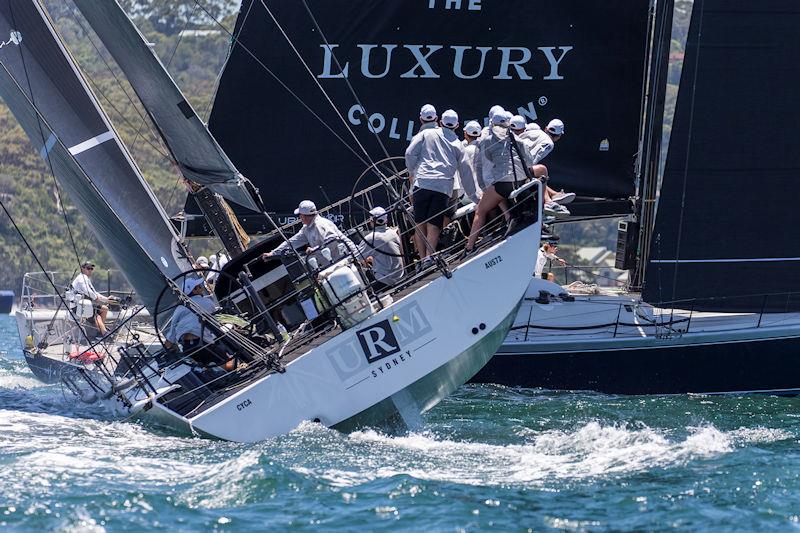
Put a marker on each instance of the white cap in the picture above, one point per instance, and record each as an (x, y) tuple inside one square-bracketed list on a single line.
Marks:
[(501, 118), (518, 122), (473, 128), (189, 284), (427, 113), (532, 127), (555, 126), (202, 261), (306, 207), (450, 119), (378, 213), (495, 109)]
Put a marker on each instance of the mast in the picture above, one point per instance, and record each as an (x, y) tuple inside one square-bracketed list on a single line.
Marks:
[(648, 162)]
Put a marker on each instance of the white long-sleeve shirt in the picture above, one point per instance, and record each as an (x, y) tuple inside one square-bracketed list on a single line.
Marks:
[(83, 285), (388, 266), (496, 148), (541, 261), (186, 321), (319, 231), (467, 172), (541, 144), (432, 158)]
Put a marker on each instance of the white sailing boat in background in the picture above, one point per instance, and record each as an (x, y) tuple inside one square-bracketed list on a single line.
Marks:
[(303, 344)]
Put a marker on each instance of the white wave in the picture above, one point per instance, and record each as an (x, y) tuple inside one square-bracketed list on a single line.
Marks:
[(592, 450)]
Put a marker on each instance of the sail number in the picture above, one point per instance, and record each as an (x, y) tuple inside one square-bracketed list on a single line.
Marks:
[(494, 261)]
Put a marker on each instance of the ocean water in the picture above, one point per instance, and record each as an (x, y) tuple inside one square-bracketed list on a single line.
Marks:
[(487, 458)]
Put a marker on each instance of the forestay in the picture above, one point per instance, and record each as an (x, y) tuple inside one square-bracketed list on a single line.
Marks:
[(198, 155), (44, 89)]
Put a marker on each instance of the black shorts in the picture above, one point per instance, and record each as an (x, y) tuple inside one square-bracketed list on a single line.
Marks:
[(504, 188), (430, 206), (452, 207)]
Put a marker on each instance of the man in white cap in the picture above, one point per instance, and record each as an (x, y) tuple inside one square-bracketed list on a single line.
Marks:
[(316, 231), (508, 160), (83, 287), (543, 143), (381, 250), (467, 172), (185, 327), (432, 159)]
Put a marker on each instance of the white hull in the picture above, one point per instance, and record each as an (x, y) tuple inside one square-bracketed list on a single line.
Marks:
[(388, 369)]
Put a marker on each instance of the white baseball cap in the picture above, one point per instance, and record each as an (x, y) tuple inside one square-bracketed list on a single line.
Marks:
[(427, 113), (473, 128), (450, 118), (202, 261), (189, 284), (501, 119), (306, 207), (518, 122), (378, 213), (555, 126), (495, 109)]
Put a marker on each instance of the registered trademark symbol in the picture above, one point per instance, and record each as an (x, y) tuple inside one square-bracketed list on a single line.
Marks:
[(542, 100)]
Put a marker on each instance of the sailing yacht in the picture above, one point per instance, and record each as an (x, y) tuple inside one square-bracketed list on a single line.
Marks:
[(712, 306), (292, 338)]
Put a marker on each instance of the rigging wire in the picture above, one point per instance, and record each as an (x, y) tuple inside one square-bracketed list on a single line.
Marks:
[(316, 81), (47, 152), (236, 41), (346, 80)]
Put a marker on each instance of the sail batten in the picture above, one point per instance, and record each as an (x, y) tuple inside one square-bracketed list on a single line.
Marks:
[(46, 93), (199, 157)]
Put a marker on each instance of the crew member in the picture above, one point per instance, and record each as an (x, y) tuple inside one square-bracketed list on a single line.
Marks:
[(543, 143), (508, 156), (316, 231), (82, 285), (432, 160), (185, 327), (546, 253), (467, 171), (381, 249)]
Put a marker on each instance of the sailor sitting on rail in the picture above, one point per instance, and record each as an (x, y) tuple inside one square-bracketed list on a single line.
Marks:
[(83, 286), (316, 231), (543, 142), (381, 249), (185, 327)]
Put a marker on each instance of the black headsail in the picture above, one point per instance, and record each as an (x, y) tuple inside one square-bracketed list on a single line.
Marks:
[(41, 84), (726, 226), (197, 154), (572, 59)]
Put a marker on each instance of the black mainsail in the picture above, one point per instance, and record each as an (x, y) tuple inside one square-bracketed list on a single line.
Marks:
[(43, 87), (725, 235), (577, 60)]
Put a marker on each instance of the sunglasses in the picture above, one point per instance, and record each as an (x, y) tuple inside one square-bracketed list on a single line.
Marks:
[(89, 268)]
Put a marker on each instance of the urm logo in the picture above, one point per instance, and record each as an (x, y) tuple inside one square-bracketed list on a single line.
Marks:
[(378, 341)]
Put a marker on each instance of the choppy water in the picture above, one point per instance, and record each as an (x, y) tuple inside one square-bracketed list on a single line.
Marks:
[(489, 457)]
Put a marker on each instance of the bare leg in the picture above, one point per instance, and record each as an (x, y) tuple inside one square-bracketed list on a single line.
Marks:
[(100, 320), (419, 239), (504, 208), (433, 237), (489, 201)]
